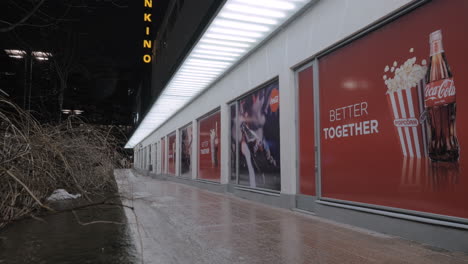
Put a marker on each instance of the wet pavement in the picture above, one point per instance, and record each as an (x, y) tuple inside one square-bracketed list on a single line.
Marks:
[(62, 239), (176, 223)]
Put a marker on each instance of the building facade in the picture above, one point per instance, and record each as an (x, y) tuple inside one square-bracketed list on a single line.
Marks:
[(348, 111)]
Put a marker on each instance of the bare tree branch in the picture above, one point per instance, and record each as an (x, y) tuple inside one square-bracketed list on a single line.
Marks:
[(29, 191), (13, 26), (117, 5), (29, 25)]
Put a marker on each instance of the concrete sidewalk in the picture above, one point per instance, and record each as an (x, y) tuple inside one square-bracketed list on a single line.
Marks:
[(176, 223)]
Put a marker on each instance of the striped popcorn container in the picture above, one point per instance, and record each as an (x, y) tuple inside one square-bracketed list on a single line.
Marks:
[(407, 105)]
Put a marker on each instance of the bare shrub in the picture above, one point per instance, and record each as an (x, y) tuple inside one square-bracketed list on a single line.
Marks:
[(37, 159)]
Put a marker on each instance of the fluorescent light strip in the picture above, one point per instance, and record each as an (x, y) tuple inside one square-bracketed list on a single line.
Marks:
[(184, 76), (238, 28), (209, 62), (235, 32), (183, 87), (225, 43), (240, 25), (193, 79), (180, 96), (198, 73), (15, 52), (182, 82), (212, 47), (254, 11), (191, 76), (207, 65), (228, 37), (203, 56), (188, 83), (284, 5), (183, 92), (199, 69), (191, 86), (213, 52), (248, 18)]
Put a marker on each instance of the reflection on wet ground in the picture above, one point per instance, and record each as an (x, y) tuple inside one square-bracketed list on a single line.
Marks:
[(183, 224), (62, 240)]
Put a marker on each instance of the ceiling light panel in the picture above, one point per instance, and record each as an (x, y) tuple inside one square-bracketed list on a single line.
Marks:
[(258, 11), (239, 27)]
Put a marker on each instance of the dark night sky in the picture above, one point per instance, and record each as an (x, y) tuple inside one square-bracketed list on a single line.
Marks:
[(106, 37)]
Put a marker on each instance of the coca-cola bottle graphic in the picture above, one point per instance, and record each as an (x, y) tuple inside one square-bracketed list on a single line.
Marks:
[(440, 104)]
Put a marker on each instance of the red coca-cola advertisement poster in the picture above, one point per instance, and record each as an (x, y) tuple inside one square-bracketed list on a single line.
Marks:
[(209, 148), (393, 106), (163, 155), (171, 153)]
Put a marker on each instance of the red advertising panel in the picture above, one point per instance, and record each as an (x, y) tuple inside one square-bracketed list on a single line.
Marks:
[(186, 151), (209, 149), (306, 132), (163, 156), (171, 153), (393, 105)]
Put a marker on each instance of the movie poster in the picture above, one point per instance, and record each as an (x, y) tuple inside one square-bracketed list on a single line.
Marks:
[(209, 148), (186, 151), (163, 156), (393, 105), (259, 138), (171, 153)]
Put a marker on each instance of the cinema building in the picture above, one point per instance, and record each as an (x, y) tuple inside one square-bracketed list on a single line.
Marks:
[(350, 110)]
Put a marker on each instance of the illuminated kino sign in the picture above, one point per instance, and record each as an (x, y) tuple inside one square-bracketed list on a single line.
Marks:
[(148, 5)]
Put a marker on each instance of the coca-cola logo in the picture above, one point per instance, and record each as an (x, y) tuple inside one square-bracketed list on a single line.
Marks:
[(440, 90), (274, 100), (406, 122)]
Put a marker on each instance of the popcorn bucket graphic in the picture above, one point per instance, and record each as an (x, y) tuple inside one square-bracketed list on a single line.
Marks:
[(407, 108), (405, 98)]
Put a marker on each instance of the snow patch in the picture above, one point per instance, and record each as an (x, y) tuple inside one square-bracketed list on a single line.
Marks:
[(61, 194), (139, 195)]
